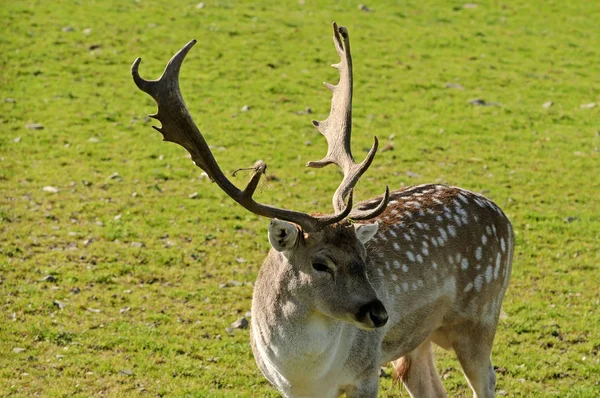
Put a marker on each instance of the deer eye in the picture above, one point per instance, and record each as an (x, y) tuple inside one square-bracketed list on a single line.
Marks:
[(321, 267)]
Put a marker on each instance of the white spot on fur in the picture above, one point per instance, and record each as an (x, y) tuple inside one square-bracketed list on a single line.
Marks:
[(394, 277), (464, 264), (478, 253), (406, 237), (434, 265), (468, 288), (478, 283), (498, 258), (425, 251), (488, 230), (483, 239), (502, 244), (396, 264), (396, 246), (420, 258), (380, 271), (497, 271), (405, 286), (457, 220), (452, 230), (404, 268), (443, 233), (410, 256), (387, 265), (463, 198), (439, 218), (488, 274)]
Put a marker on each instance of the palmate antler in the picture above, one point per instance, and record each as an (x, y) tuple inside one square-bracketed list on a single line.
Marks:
[(179, 127), (337, 129)]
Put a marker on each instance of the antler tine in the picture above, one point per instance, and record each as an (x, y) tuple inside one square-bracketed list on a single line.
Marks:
[(366, 214), (179, 127), (337, 129)]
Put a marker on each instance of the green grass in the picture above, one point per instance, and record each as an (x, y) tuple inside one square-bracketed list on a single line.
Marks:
[(541, 165)]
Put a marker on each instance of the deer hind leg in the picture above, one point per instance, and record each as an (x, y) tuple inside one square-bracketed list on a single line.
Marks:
[(473, 347), (418, 373)]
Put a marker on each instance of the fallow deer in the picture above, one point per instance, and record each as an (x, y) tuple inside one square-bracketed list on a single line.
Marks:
[(338, 296)]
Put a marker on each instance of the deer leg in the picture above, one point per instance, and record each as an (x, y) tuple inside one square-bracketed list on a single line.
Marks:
[(473, 347), (418, 373)]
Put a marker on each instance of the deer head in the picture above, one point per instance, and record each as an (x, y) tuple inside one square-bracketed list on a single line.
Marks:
[(327, 267)]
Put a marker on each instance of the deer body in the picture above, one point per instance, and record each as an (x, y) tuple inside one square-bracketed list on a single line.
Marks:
[(334, 300), (441, 273)]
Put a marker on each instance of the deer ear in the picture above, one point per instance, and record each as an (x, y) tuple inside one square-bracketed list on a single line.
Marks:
[(282, 235), (364, 232)]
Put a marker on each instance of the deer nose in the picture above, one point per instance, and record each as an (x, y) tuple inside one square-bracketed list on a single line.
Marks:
[(373, 312)]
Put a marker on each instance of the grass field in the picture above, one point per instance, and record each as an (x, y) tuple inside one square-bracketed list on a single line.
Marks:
[(116, 256)]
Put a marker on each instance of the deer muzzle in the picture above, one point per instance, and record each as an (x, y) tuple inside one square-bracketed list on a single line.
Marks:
[(372, 315)]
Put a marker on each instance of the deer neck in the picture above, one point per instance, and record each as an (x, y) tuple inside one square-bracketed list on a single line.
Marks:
[(283, 305), (288, 334)]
